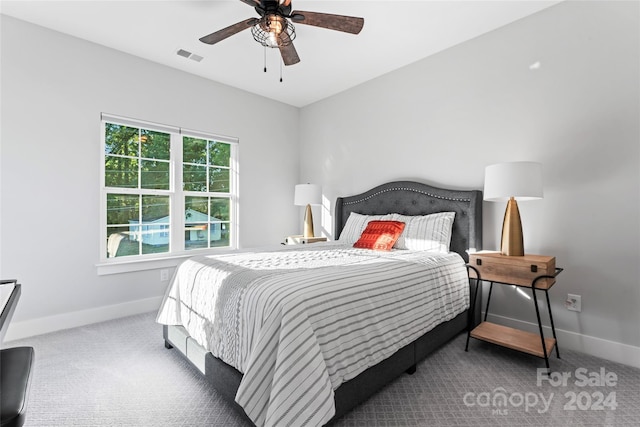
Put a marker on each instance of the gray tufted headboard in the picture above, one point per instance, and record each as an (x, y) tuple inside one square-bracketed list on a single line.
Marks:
[(414, 198)]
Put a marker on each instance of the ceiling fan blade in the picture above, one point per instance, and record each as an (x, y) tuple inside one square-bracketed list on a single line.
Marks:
[(289, 54), (229, 31), (347, 24)]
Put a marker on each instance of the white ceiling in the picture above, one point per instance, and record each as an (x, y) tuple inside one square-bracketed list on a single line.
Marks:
[(395, 33)]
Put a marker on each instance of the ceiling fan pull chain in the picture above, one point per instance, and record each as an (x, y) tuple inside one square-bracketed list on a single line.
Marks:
[(265, 59), (280, 71)]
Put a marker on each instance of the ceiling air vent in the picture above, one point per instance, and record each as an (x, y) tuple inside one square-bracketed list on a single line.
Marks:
[(187, 54)]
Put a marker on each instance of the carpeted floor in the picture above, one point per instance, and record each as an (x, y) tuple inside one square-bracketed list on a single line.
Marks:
[(118, 373)]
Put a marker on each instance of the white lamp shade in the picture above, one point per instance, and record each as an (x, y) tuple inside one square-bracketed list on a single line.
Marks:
[(307, 194), (521, 180)]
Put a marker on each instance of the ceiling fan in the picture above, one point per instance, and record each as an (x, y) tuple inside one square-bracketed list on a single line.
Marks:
[(274, 28)]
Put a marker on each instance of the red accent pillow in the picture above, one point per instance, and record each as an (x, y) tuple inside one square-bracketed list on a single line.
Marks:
[(380, 235)]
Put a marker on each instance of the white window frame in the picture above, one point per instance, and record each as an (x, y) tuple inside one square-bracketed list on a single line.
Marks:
[(176, 194)]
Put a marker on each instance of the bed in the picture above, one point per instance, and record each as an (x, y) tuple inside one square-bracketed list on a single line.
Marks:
[(319, 362)]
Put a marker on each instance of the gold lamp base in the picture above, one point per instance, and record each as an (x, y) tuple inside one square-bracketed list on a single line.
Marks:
[(512, 242), (308, 223)]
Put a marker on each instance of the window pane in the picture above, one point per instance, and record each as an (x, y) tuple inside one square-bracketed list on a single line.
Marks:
[(194, 150), (194, 178), (219, 180), (154, 145), (122, 140), (120, 172), (154, 233), (219, 208), (155, 209), (195, 209), (154, 174), (219, 153), (121, 241), (219, 234), (196, 232), (122, 209), (196, 236)]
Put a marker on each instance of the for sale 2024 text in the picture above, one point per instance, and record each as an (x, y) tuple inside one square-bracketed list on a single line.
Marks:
[(584, 400)]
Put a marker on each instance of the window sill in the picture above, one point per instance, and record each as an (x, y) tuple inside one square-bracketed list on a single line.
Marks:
[(118, 266)]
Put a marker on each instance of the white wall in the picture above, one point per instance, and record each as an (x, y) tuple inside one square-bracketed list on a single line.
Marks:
[(54, 88), (443, 119)]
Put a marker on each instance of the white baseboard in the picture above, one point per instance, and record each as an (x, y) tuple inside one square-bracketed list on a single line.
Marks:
[(44, 325), (598, 347)]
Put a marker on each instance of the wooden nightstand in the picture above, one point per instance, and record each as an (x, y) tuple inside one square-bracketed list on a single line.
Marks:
[(299, 240), (536, 272)]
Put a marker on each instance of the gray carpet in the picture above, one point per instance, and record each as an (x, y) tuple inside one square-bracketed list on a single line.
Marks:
[(118, 373)]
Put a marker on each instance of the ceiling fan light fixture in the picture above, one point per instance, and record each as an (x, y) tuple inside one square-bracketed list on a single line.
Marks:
[(274, 31)]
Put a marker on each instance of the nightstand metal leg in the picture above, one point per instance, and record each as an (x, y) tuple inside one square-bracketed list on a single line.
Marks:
[(544, 346), (486, 310), (553, 328)]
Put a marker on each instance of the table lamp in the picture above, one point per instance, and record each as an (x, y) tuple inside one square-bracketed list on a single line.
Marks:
[(308, 194), (512, 181)]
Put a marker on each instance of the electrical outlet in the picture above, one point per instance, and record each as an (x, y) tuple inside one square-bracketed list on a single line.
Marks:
[(164, 275), (573, 302)]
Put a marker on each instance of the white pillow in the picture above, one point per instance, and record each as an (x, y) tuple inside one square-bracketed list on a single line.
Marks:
[(426, 232), (355, 225)]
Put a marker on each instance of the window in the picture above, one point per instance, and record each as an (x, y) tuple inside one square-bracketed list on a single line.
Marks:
[(166, 191)]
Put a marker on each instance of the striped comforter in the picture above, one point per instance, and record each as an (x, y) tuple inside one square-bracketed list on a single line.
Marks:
[(301, 320)]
